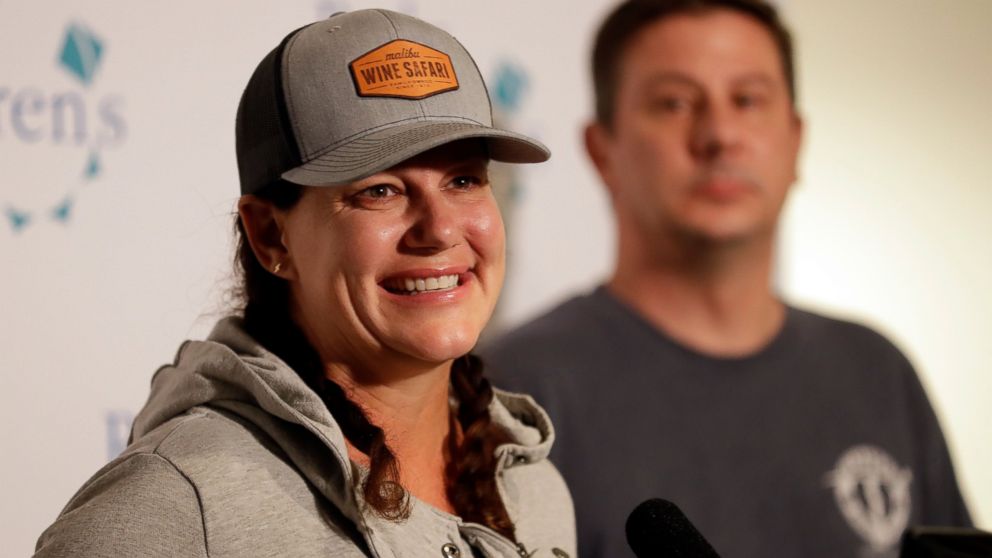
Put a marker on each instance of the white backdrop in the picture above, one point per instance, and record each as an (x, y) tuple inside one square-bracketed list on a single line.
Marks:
[(118, 180)]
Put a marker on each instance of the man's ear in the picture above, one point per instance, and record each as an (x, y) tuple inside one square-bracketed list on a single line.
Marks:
[(597, 141), (264, 227), (797, 143)]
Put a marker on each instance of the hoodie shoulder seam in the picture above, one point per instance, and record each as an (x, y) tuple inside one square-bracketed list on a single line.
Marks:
[(135, 456), (196, 490), (191, 414)]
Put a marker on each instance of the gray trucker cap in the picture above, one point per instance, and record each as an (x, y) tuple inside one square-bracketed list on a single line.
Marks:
[(358, 93)]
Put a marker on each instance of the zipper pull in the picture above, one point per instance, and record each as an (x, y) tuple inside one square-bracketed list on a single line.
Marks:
[(522, 550)]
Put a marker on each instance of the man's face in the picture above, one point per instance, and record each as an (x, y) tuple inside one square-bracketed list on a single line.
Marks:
[(704, 137)]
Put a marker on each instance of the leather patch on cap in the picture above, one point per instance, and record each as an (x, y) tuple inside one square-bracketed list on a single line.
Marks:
[(404, 69)]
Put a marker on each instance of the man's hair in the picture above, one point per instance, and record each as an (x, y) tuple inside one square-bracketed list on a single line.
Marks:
[(633, 15)]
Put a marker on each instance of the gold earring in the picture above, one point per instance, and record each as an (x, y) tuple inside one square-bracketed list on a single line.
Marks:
[(277, 267)]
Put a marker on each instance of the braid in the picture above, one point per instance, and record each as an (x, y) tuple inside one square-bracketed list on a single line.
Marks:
[(382, 489), (471, 475)]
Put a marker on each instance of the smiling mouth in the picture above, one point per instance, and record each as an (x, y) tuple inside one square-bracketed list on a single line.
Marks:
[(411, 286)]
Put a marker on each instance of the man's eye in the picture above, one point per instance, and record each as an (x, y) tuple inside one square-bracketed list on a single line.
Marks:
[(672, 104), (747, 100)]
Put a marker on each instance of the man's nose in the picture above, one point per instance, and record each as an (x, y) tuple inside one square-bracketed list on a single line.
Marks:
[(716, 131)]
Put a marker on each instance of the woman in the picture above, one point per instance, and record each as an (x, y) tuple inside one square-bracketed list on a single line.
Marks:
[(342, 415)]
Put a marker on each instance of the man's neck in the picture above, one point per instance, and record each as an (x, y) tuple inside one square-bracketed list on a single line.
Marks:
[(715, 299)]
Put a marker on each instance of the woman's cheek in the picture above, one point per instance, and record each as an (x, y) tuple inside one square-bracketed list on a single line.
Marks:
[(486, 226), (368, 245)]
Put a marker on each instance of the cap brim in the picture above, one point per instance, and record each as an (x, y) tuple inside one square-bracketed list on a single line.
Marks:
[(388, 147)]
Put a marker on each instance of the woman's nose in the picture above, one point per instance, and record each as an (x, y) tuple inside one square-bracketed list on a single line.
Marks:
[(434, 226)]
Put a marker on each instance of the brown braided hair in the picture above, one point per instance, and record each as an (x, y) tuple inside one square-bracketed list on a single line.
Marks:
[(470, 472), (471, 482)]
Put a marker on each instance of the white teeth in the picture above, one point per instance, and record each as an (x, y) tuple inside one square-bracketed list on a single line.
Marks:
[(443, 282)]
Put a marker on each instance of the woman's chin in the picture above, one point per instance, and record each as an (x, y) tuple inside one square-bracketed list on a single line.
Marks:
[(439, 347)]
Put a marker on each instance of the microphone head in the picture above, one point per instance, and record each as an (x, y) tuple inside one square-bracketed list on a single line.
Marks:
[(657, 528)]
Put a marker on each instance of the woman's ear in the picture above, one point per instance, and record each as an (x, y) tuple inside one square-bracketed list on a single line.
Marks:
[(263, 223)]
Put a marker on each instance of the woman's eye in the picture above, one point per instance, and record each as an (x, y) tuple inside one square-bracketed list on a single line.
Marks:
[(378, 191), (466, 182), (374, 196)]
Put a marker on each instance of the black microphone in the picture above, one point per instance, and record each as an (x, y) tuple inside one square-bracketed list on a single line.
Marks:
[(657, 528), (945, 542)]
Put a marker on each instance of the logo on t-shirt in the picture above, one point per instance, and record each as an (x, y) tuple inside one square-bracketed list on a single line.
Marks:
[(872, 492)]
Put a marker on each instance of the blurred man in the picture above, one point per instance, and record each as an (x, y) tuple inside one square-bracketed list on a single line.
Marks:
[(778, 431)]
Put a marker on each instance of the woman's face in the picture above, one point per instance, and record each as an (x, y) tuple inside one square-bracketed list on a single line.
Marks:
[(407, 263)]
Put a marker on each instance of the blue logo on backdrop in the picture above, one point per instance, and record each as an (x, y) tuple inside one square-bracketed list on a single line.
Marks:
[(118, 429), (64, 131), (509, 87), (81, 53)]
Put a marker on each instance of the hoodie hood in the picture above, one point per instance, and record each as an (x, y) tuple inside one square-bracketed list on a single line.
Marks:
[(232, 372)]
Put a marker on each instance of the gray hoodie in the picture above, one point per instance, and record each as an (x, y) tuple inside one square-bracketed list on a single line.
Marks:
[(233, 455)]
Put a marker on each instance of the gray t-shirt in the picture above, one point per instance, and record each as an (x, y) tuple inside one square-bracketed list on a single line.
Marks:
[(822, 444)]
